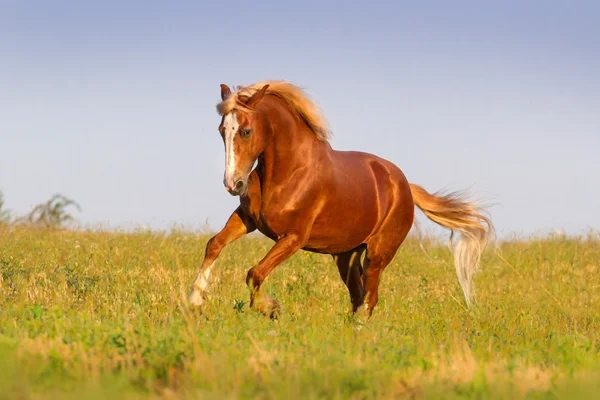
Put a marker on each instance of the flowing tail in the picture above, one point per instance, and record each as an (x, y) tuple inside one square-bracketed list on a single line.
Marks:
[(455, 213)]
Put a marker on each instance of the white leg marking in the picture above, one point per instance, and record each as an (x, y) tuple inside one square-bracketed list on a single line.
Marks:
[(196, 298), (200, 286), (230, 126), (202, 279)]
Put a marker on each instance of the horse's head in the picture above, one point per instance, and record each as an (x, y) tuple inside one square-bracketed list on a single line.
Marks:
[(244, 138)]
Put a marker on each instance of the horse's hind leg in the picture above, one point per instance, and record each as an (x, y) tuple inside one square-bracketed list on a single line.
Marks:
[(375, 263), (381, 249), (351, 272)]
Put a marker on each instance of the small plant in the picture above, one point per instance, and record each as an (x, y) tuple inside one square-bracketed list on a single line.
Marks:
[(238, 305), (4, 213), (53, 213)]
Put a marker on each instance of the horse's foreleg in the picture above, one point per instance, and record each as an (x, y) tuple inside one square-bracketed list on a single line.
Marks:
[(283, 249), (237, 226)]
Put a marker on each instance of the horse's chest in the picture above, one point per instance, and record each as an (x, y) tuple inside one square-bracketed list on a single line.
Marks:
[(252, 205), (271, 220), (270, 212)]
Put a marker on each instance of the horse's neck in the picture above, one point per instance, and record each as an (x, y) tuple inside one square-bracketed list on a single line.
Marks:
[(292, 146)]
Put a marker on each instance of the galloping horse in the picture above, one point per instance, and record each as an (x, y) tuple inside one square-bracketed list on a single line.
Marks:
[(303, 194)]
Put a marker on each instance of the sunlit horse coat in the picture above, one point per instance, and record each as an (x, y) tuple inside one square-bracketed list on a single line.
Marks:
[(305, 195)]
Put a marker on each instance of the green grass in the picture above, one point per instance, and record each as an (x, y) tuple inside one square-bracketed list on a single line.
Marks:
[(103, 315)]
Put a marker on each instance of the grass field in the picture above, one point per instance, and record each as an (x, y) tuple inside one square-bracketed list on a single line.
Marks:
[(103, 315)]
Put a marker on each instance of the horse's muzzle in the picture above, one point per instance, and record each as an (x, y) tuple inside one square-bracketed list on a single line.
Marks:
[(235, 188)]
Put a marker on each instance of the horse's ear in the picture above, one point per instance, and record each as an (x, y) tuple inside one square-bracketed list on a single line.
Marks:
[(225, 92), (257, 97)]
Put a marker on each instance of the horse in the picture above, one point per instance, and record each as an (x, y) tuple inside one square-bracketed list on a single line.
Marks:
[(297, 190)]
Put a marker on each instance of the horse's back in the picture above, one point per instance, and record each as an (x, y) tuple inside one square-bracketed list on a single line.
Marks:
[(382, 178), (367, 168)]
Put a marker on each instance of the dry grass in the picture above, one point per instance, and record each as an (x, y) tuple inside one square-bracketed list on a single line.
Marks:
[(103, 314)]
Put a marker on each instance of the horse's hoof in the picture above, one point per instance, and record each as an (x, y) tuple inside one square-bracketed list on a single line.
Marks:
[(196, 298), (268, 306), (364, 312)]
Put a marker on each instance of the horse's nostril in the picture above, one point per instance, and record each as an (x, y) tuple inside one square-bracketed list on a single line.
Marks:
[(239, 185)]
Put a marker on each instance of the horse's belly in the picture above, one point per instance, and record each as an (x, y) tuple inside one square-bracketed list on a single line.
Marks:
[(341, 225), (344, 224)]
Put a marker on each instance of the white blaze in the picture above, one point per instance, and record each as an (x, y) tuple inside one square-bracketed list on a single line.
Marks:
[(230, 126)]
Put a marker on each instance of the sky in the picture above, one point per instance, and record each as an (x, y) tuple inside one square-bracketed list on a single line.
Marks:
[(112, 103)]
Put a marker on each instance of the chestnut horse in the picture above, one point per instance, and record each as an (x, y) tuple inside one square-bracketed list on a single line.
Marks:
[(305, 195)]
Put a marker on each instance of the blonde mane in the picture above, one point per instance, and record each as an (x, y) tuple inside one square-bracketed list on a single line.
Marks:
[(294, 96)]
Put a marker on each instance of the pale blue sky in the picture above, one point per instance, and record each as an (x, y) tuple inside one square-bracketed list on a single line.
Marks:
[(112, 103)]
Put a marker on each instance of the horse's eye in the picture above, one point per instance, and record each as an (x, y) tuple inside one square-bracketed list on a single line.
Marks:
[(246, 132)]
